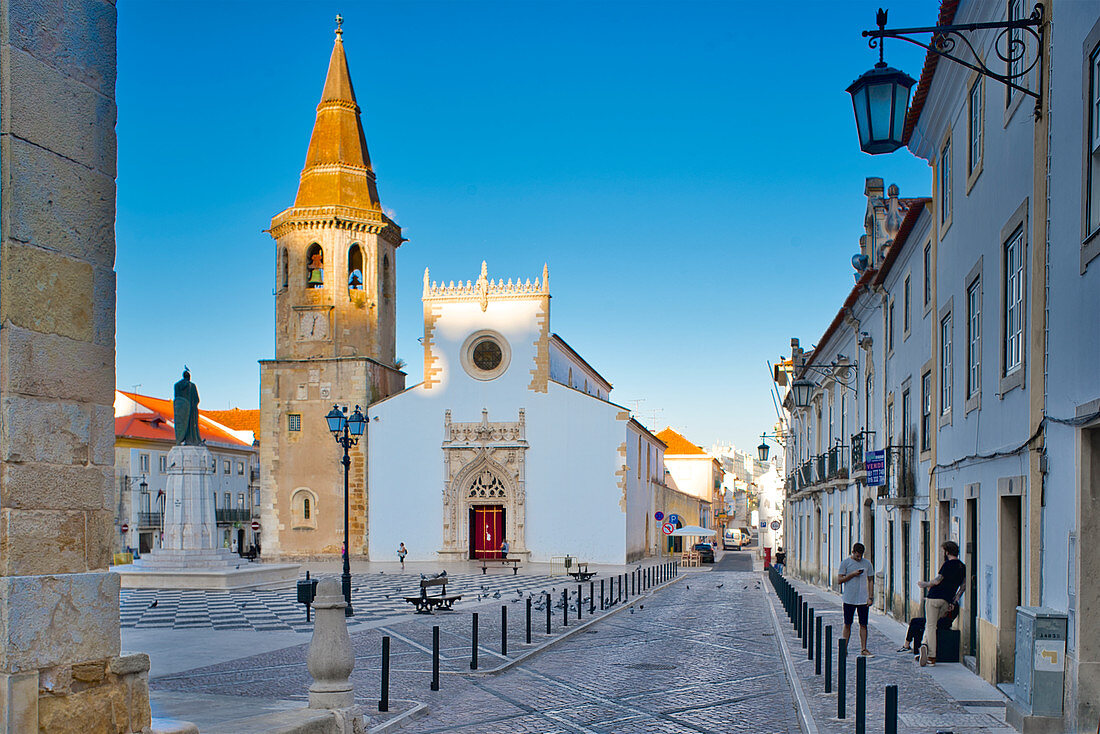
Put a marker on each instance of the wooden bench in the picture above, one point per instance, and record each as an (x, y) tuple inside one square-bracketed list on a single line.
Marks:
[(582, 573), (503, 562), (426, 602)]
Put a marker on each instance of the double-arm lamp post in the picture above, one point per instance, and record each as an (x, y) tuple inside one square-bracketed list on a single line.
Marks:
[(346, 430)]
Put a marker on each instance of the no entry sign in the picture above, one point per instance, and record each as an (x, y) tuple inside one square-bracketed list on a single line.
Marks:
[(668, 528), (125, 527), (256, 525)]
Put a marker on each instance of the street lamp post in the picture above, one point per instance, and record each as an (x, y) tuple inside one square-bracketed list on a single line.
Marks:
[(346, 430)]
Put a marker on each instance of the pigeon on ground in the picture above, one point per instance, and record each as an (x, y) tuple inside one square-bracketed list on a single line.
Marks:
[(687, 587), (641, 606), (154, 604), (381, 572), (496, 594), (632, 610), (719, 586)]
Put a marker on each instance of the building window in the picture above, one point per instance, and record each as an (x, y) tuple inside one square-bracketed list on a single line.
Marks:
[(1092, 155), (868, 416), (927, 273), (890, 327), (228, 501), (974, 338), (1014, 303), (143, 463), (945, 365), (906, 417), (974, 127), (284, 269), (905, 309), (355, 268), (387, 278), (890, 424), (945, 183), (294, 422), (485, 355), (925, 411), (225, 467), (162, 463), (240, 501), (305, 508), (240, 468)]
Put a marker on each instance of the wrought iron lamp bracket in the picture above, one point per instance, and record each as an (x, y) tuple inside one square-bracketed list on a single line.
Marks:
[(1009, 47), (842, 374)]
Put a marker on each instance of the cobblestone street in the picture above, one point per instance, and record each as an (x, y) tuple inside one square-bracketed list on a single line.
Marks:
[(698, 655)]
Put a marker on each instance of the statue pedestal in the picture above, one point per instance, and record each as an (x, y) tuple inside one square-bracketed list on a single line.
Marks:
[(190, 556)]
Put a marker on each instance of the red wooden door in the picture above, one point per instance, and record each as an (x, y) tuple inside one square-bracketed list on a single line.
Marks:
[(487, 531)]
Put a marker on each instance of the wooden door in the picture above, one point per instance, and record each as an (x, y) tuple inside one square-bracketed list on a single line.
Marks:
[(486, 531)]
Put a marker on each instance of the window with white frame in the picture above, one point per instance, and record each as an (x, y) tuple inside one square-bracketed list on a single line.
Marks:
[(974, 127), (927, 273), (945, 365), (925, 411), (945, 182), (906, 417), (868, 416), (905, 309), (974, 338), (890, 327), (1092, 174), (1014, 303), (143, 463), (162, 463)]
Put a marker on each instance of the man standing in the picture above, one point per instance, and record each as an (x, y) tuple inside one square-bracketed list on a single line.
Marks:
[(942, 590), (857, 584)]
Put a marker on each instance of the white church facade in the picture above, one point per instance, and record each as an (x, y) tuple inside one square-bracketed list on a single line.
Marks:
[(511, 435)]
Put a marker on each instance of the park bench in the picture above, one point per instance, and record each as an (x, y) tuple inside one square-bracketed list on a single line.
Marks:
[(503, 562), (426, 601), (581, 572)]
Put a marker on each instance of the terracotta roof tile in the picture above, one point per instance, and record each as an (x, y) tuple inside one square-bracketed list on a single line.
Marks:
[(141, 425), (236, 418), (677, 444)]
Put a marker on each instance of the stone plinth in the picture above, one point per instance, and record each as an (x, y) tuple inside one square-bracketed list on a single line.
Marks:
[(189, 521)]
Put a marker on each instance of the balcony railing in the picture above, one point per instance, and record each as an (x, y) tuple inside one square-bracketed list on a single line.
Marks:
[(820, 474), (837, 462), (901, 481), (227, 516), (150, 519), (857, 451)]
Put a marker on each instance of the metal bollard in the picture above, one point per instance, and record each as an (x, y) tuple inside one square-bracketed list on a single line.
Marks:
[(504, 629), (601, 595), (817, 647), (861, 695), (528, 620), (808, 639), (891, 710), (384, 702), (473, 644), (620, 587), (580, 601), (564, 608), (828, 658), (634, 583), (549, 605), (435, 658), (591, 598), (842, 678)]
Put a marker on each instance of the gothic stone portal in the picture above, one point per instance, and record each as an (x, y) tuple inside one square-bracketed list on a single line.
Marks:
[(484, 495)]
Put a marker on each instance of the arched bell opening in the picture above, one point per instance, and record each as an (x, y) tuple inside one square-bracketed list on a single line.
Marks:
[(315, 266), (355, 268), (284, 269)]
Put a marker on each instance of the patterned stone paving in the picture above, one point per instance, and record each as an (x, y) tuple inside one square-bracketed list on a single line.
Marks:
[(697, 656)]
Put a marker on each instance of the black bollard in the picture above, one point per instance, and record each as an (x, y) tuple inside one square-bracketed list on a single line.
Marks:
[(601, 595), (473, 643), (504, 629), (564, 608), (634, 583), (817, 647), (842, 678), (808, 640), (549, 605), (384, 702), (861, 694), (591, 598), (580, 601), (435, 658), (891, 710), (528, 620), (828, 658), (620, 587)]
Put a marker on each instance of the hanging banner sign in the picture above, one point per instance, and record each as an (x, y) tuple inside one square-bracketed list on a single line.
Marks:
[(874, 462)]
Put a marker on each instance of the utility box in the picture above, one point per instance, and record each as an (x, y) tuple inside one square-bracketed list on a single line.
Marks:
[(1040, 660)]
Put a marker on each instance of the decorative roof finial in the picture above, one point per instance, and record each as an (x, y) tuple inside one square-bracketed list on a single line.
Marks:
[(339, 28)]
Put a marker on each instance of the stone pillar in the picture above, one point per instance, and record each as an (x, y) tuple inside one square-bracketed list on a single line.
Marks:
[(330, 658), (60, 669), (189, 520)]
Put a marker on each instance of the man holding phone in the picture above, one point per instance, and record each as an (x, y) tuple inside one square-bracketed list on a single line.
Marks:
[(856, 577)]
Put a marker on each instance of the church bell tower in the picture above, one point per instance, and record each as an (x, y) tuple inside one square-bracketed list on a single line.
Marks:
[(335, 260)]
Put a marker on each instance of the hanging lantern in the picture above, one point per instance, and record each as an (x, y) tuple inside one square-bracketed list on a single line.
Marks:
[(880, 99), (803, 391)]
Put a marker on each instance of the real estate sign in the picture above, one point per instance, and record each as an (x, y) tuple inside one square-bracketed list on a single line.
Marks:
[(874, 462)]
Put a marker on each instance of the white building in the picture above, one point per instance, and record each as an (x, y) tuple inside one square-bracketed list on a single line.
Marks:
[(510, 435)]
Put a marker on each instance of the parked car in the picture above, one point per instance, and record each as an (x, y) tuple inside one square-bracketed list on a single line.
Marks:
[(705, 551)]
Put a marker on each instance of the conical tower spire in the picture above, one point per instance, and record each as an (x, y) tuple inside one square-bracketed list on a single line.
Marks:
[(338, 170)]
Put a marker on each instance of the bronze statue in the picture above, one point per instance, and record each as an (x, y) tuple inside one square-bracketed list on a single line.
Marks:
[(185, 411)]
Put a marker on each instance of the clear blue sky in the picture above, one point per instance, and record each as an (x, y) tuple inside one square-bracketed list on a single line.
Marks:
[(689, 170)]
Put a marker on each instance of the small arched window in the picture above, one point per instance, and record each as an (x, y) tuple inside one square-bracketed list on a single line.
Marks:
[(315, 266), (284, 269), (387, 279), (355, 268), (305, 508)]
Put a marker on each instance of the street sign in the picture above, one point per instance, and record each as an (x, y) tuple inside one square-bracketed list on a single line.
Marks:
[(763, 524), (674, 519), (658, 515), (776, 524), (256, 525), (125, 527), (874, 463), (668, 528)]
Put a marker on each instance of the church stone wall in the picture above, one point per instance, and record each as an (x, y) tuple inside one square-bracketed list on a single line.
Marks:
[(60, 669)]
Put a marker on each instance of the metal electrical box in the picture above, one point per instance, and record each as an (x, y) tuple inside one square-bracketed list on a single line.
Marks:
[(1040, 660)]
